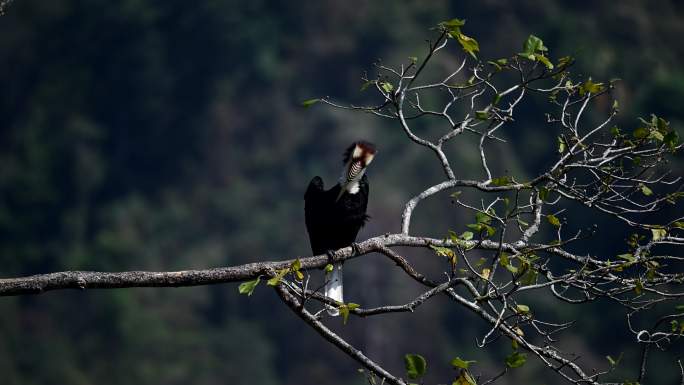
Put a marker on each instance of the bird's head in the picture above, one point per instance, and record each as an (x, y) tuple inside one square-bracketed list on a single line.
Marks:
[(356, 159)]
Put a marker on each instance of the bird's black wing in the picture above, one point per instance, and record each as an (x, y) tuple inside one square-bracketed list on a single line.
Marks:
[(315, 187), (314, 197), (314, 202)]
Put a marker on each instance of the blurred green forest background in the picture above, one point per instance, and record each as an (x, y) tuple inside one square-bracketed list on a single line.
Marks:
[(161, 135)]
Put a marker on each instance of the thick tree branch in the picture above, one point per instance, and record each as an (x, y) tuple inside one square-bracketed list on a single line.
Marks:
[(37, 284)]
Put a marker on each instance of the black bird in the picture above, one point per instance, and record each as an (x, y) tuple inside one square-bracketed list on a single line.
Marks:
[(334, 217)]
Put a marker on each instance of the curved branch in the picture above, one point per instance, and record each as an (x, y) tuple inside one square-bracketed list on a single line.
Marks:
[(447, 184), (294, 304)]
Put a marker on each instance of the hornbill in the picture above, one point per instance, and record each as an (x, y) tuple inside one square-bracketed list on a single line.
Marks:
[(334, 217)]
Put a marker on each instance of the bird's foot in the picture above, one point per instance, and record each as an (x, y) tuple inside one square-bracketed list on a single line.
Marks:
[(331, 256), (356, 248)]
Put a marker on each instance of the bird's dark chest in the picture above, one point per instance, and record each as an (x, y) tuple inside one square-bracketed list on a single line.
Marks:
[(333, 223), (348, 202), (325, 209)]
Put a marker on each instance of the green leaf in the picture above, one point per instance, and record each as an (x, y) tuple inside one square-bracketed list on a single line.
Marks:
[(565, 61), (367, 84), (627, 257), (344, 312), (388, 87), (490, 230), (656, 135), (678, 224), (662, 124), (456, 194), (442, 251), (413, 58), (505, 262), (561, 145), (445, 252), (645, 189), (614, 361), (639, 287), (328, 268), (467, 235), (553, 220), (310, 102), (640, 132), (544, 60), (482, 114), (415, 365), (485, 273), (529, 278), (616, 105), (672, 197), (464, 379), (296, 267), (461, 363), (276, 279), (522, 308), (345, 309), (658, 234), (543, 193), (468, 44), (248, 287), (476, 227), (453, 27), (502, 181), (533, 45), (589, 87), (671, 139), (652, 267), (495, 64), (516, 360), (481, 217), (452, 24), (615, 131), (499, 63), (454, 237), (482, 228)]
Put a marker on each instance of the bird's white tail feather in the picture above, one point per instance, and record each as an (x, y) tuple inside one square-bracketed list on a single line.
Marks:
[(333, 288)]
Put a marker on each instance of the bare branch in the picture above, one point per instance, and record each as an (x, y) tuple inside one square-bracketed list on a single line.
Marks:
[(293, 303)]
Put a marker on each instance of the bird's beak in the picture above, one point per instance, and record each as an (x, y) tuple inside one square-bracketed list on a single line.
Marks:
[(342, 190), (354, 169)]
